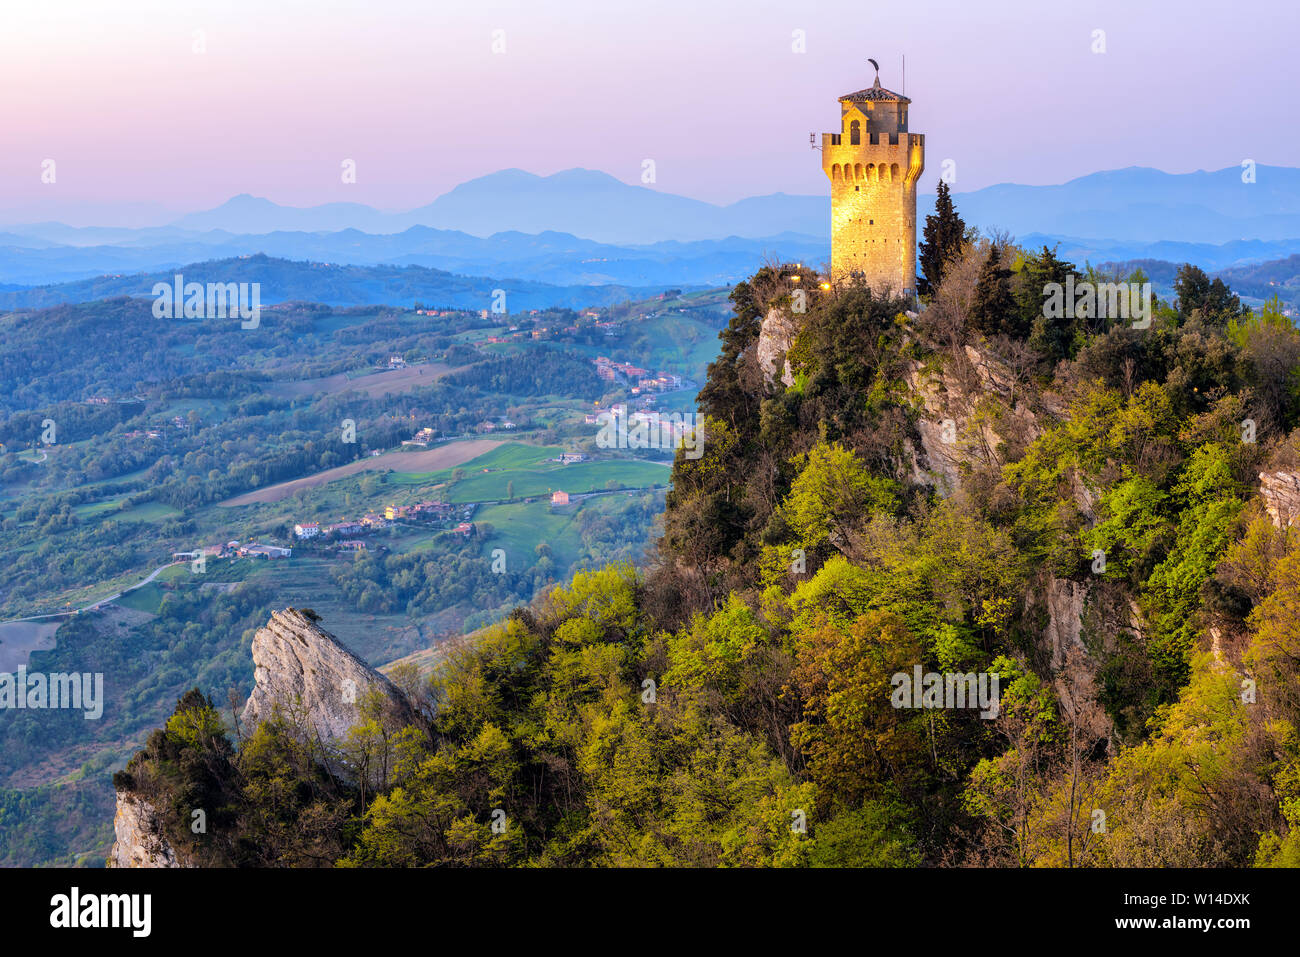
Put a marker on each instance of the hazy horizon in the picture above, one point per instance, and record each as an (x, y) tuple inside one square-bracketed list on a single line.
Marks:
[(149, 214), (717, 97)]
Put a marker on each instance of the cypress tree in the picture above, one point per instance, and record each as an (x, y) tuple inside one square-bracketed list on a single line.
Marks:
[(944, 234)]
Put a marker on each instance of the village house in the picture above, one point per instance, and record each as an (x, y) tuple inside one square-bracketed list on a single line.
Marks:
[(343, 528), (256, 550), (423, 437)]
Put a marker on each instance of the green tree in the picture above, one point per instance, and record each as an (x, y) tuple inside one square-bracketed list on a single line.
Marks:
[(1196, 293), (992, 308), (944, 234), (832, 494), (1056, 336)]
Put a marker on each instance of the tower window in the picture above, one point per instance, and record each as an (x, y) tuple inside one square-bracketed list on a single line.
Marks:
[(855, 133)]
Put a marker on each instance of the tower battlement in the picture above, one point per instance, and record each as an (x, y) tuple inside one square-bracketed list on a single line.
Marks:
[(873, 164), (905, 140)]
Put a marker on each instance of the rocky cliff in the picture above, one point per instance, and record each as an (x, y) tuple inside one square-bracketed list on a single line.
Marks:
[(304, 672), (1281, 493), (968, 411), (970, 408), (1072, 610), (138, 836), (302, 669), (775, 338)]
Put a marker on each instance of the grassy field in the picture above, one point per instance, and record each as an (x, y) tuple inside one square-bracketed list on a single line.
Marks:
[(506, 456), (147, 512), (146, 598), (544, 478), (519, 527)]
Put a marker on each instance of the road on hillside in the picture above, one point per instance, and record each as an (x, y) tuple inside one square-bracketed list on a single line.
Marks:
[(102, 601)]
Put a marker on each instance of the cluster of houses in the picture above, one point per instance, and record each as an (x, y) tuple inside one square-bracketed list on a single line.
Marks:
[(307, 531), (659, 382), (610, 326), (641, 379), (343, 533), (588, 318), (245, 550), (609, 370), (515, 334)]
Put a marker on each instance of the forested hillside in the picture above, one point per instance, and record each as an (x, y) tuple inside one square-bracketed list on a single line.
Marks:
[(973, 487)]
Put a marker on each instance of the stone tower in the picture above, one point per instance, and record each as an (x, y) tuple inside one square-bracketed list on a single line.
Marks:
[(873, 164)]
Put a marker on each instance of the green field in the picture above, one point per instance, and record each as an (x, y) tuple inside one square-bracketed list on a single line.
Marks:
[(512, 455), (550, 477), (146, 598), (519, 527), (147, 512)]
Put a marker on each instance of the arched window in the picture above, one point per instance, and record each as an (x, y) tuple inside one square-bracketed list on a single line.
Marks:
[(893, 172), (835, 171), (855, 133), (857, 171)]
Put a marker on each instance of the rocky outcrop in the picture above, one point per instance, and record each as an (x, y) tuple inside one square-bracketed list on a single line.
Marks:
[(139, 839), (301, 671), (775, 337), (952, 434), (304, 671), (1073, 668), (1281, 493)]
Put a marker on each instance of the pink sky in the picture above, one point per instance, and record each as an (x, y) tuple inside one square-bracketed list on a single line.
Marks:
[(712, 91)]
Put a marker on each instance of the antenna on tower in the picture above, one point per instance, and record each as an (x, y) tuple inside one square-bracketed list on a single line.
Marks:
[(904, 89)]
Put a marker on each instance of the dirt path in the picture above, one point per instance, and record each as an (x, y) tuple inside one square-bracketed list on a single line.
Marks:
[(426, 460)]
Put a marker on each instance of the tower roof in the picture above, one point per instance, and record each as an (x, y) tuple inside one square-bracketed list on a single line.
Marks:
[(875, 93)]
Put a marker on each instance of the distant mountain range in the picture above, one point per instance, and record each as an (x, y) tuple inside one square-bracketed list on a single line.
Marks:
[(282, 280), (1147, 205), (1134, 204), (551, 257), (582, 227)]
